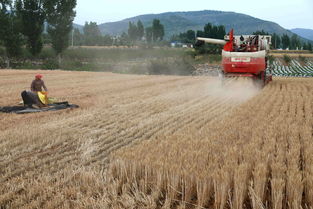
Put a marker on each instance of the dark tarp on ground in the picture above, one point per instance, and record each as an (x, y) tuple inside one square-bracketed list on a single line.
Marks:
[(51, 107)]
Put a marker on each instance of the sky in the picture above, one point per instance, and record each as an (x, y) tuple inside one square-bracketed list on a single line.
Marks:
[(287, 13)]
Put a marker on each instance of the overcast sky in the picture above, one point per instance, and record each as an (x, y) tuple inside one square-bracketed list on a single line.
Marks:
[(288, 13)]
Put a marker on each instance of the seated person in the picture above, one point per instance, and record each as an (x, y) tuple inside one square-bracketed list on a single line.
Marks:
[(36, 96), (31, 98)]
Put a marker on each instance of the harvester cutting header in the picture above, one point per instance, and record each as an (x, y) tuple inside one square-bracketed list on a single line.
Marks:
[(244, 56)]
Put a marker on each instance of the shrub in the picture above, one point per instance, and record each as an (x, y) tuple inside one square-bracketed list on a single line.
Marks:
[(2, 62), (47, 53), (50, 64), (72, 65), (302, 59), (138, 70), (158, 67), (176, 66), (215, 58), (287, 59), (2, 51)]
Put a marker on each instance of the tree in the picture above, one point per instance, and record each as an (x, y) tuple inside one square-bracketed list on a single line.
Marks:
[(32, 17), (210, 31), (305, 46), (135, 32), (262, 32), (77, 38), (46, 39), (60, 15), (221, 32), (92, 34), (295, 42), (310, 47), (132, 31), (107, 40), (207, 31), (190, 36), (276, 41), (157, 30), (4, 4), (200, 33), (140, 30), (285, 41), (10, 33), (187, 37), (149, 34), (123, 40)]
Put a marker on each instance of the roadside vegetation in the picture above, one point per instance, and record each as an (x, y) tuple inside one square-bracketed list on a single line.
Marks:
[(140, 51), (118, 60)]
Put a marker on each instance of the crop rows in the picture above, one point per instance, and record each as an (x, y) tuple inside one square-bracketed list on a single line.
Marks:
[(259, 156), (59, 159), (295, 69), (158, 142)]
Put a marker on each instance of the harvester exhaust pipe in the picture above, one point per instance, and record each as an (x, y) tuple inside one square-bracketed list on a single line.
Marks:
[(212, 41)]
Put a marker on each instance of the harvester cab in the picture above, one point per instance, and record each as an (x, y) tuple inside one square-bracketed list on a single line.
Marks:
[(244, 56)]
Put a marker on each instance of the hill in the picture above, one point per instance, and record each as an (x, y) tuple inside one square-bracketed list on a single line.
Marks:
[(305, 33), (176, 22), (79, 27)]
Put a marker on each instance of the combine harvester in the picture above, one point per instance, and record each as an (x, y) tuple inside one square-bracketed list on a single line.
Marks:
[(244, 56)]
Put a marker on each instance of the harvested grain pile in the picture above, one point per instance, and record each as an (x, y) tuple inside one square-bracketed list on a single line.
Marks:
[(259, 156)]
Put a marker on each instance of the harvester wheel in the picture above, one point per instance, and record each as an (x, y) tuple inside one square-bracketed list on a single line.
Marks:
[(259, 80)]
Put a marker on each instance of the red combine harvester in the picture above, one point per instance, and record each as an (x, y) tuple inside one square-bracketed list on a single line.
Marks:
[(244, 56)]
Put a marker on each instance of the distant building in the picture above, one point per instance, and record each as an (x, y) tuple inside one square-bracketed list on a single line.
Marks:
[(176, 44)]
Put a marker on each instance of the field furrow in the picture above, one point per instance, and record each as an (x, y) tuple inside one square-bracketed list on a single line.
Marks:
[(158, 142)]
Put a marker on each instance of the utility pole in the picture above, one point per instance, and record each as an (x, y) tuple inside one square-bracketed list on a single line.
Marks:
[(152, 36)]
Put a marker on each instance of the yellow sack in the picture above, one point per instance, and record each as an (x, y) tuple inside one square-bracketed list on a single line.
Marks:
[(52, 100), (43, 97)]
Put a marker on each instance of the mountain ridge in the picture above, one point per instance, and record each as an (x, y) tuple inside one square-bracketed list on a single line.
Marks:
[(303, 32), (178, 22)]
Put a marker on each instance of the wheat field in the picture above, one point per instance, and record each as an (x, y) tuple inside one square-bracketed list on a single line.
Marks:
[(157, 142)]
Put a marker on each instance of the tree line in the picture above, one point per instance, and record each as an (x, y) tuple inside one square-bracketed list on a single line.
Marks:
[(286, 42), (151, 34), (136, 34), (209, 31), (23, 23), (218, 32), (90, 36)]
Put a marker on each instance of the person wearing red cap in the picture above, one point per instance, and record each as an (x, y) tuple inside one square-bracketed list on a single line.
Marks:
[(38, 84)]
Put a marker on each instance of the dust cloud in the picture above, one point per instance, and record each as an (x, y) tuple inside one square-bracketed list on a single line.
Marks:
[(238, 89)]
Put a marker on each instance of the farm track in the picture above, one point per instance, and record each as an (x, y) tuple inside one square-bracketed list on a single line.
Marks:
[(37, 150)]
